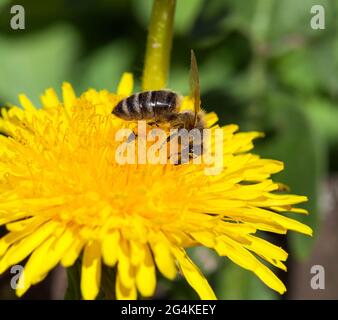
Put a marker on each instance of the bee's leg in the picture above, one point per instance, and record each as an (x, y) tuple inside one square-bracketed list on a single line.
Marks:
[(178, 154), (132, 137), (195, 152), (179, 158), (153, 123), (192, 156), (171, 136)]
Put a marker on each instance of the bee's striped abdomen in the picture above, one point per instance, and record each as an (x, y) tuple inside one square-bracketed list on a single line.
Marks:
[(147, 105)]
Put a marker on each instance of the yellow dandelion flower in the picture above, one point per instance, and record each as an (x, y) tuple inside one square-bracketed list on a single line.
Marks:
[(62, 196)]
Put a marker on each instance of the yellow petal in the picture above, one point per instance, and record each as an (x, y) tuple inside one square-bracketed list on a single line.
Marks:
[(137, 253), (23, 248), (193, 275), (34, 267), (292, 224), (68, 95), (275, 263), (124, 293), (17, 235), (124, 268), (234, 251), (26, 103), (205, 238), (126, 84), (91, 270), (50, 99), (270, 279), (110, 248), (43, 259), (164, 260), (72, 253), (146, 274), (266, 249)]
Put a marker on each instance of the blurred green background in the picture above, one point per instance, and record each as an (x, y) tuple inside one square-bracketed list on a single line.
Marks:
[(261, 66)]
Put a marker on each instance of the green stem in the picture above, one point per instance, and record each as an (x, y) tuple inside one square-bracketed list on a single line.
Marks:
[(260, 30), (261, 21), (157, 58)]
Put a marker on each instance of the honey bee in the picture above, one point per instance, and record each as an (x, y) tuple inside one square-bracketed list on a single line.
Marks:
[(163, 106)]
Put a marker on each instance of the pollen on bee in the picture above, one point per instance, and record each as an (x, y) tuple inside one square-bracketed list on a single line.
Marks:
[(146, 145)]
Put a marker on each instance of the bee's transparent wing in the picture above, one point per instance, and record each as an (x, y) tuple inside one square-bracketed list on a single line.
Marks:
[(195, 85)]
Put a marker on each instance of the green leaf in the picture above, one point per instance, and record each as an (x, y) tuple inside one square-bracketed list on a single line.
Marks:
[(186, 14), (3, 3), (212, 74), (291, 16), (323, 114), (103, 69), (235, 283), (278, 18), (278, 25), (35, 62), (142, 11), (325, 63), (311, 69), (294, 71)]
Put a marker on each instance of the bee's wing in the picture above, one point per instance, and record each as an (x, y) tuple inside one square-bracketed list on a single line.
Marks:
[(195, 85)]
